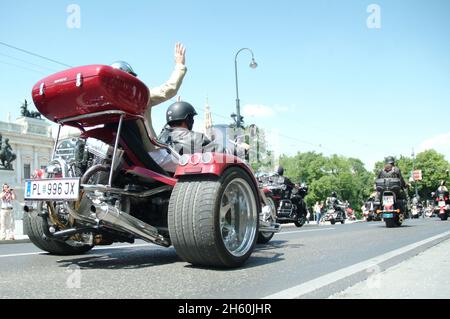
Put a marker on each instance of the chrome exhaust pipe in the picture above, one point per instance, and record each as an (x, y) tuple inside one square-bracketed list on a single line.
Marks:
[(268, 227), (116, 219)]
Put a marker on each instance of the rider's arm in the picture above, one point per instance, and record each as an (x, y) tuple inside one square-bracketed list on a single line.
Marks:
[(169, 89)]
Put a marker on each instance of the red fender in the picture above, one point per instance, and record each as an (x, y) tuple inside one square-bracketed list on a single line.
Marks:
[(211, 164)]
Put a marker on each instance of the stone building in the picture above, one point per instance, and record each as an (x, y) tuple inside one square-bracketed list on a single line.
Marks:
[(32, 142)]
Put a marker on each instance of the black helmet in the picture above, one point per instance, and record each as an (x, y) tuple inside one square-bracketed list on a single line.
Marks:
[(390, 160), (180, 111), (333, 194), (124, 66), (280, 170)]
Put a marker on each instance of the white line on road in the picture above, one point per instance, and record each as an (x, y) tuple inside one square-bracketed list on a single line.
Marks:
[(312, 285), (97, 248), (18, 255), (303, 231)]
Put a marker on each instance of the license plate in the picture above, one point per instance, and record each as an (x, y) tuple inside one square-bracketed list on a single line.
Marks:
[(52, 189), (441, 204), (388, 215), (388, 200)]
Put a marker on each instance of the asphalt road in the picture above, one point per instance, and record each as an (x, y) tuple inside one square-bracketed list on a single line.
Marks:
[(310, 262)]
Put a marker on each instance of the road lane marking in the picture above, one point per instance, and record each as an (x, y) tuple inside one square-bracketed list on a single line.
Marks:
[(94, 249), (24, 254), (325, 280), (303, 231)]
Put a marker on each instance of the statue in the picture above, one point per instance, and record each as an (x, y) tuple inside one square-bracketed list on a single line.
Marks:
[(25, 113), (6, 154)]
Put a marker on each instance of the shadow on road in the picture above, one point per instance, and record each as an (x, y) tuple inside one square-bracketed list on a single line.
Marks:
[(278, 244), (123, 260)]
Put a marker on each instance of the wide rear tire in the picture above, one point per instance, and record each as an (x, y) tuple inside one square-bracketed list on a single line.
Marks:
[(444, 216), (214, 221), (35, 227)]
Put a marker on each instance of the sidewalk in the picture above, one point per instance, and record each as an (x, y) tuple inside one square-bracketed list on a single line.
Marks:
[(424, 276), (19, 237)]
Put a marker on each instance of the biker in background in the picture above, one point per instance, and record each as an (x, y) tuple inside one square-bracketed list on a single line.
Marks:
[(286, 181), (333, 200), (392, 171), (297, 199), (336, 203), (442, 189)]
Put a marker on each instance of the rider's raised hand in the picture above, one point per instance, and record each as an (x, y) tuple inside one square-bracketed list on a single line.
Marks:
[(180, 53)]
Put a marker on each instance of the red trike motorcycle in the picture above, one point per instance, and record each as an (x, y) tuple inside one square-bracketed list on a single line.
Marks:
[(111, 190)]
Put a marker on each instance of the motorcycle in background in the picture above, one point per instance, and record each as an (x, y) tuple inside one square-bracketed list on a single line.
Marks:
[(391, 209), (336, 213), (442, 204), (370, 210), (416, 208), (290, 204)]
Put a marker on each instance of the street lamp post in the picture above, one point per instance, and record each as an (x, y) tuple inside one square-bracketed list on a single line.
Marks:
[(237, 117)]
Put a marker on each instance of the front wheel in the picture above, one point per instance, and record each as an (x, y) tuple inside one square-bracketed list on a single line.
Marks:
[(214, 221), (265, 237)]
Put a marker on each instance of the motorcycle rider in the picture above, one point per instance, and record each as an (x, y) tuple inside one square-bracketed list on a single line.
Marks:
[(335, 203), (296, 199), (392, 171), (442, 187), (178, 131)]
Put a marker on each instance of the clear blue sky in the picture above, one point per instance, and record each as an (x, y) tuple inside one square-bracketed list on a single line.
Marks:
[(324, 77)]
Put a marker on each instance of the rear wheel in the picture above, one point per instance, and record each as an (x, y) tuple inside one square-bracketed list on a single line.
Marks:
[(214, 221), (332, 222), (36, 226), (394, 222), (443, 216)]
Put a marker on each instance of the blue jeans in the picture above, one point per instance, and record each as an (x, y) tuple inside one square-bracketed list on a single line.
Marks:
[(318, 215)]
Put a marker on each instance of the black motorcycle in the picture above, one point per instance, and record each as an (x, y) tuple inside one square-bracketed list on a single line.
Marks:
[(288, 201), (392, 208)]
